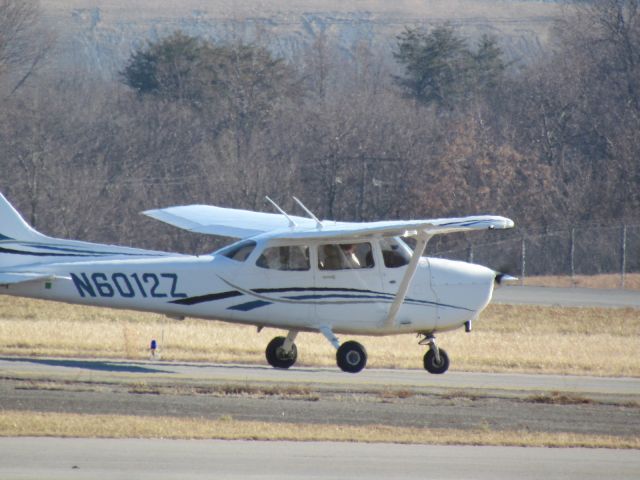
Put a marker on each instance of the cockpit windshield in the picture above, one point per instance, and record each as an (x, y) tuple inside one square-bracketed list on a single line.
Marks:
[(395, 252), (238, 251)]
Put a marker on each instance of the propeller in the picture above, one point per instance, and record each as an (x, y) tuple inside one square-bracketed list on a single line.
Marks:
[(504, 277)]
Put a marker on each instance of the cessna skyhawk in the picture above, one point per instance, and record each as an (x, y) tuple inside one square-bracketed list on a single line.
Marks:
[(287, 272)]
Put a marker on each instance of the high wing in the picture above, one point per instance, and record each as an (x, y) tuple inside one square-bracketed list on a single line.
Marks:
[(227, 222), (344, 230), (237, 223)]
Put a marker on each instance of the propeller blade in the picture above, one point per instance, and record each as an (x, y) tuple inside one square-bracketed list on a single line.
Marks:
[(504, 277)]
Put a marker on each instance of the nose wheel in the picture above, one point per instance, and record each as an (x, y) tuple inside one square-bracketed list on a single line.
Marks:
[(433, 365), (436, 360)]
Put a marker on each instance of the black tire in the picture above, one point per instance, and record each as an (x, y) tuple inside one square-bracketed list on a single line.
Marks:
[(351, 357), (277, 357), (432, 366)]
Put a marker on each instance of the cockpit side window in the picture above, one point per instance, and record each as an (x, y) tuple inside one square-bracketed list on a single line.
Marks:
[(290, 257), (345, 256), (239, 251), (394, 253)]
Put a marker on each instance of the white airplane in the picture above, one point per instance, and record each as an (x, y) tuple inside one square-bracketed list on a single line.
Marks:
[(287, 272)]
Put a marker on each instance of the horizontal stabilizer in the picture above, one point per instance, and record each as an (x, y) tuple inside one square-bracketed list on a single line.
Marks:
[(23, 247), (9, 278)]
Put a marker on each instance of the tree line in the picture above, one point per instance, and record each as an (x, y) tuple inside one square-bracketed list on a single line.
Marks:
[(447, 126)]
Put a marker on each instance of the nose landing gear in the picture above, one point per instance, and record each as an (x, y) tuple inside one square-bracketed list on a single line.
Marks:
[(436, 359)]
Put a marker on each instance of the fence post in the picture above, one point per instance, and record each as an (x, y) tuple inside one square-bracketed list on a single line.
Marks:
[(573, 251), (524, 260), (624, 256)]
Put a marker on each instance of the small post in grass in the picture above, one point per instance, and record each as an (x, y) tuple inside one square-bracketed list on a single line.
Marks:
[(153, 349)]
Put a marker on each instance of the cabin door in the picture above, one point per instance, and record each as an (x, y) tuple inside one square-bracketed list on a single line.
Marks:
[(348, 285)]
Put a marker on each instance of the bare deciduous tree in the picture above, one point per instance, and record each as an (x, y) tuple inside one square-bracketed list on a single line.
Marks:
[(23, 41)]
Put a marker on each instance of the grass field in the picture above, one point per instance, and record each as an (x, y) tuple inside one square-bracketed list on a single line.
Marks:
[(16, 424), (583, 341)]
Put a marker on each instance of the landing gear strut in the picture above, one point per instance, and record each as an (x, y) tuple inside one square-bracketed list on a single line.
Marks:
[(350, 356), (282, 352), (436, 359)]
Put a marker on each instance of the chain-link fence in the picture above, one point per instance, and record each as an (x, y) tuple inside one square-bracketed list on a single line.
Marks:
[(586, 250)]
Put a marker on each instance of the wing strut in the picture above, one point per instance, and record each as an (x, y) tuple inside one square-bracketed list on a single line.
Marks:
[(423, 238), (291, 222), (329, 335), (318, 222)]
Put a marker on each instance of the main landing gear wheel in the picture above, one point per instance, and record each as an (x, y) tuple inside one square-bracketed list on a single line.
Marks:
[(351, 357), (432, 365), (277, 356)]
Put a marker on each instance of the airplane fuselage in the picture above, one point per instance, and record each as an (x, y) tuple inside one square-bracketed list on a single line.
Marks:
[(444, 294)]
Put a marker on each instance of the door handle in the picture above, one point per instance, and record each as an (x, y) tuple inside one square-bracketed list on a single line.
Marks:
[(332, 277)]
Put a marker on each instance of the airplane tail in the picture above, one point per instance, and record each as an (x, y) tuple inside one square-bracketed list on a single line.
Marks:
[(17, 239), (16, 235), (22, 247), (13, 226)]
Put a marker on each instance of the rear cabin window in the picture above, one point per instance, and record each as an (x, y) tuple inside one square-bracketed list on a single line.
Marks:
[(345, 256), (238, 252), (290, 258)]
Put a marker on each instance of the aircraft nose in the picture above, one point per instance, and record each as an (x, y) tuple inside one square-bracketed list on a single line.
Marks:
[(466, 285)]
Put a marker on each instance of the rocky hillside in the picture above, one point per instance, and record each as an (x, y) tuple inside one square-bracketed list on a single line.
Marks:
[(101, 34)]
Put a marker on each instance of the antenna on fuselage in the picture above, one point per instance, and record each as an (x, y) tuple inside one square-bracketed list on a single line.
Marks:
[(318, 222), (291, 222)]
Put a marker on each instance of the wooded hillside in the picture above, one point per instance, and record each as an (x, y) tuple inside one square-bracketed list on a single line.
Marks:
[(446, 126)]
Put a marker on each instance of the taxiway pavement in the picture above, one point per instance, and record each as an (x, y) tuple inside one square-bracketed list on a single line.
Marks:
[(97, 459), (174, 372), (566, 297)]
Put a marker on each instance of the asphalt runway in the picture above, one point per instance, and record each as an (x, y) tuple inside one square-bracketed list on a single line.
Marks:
[(566, 297), (97, 459)]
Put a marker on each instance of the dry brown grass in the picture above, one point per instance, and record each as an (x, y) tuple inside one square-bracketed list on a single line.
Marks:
[(559, 398), (506, 339), (17, 423)]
